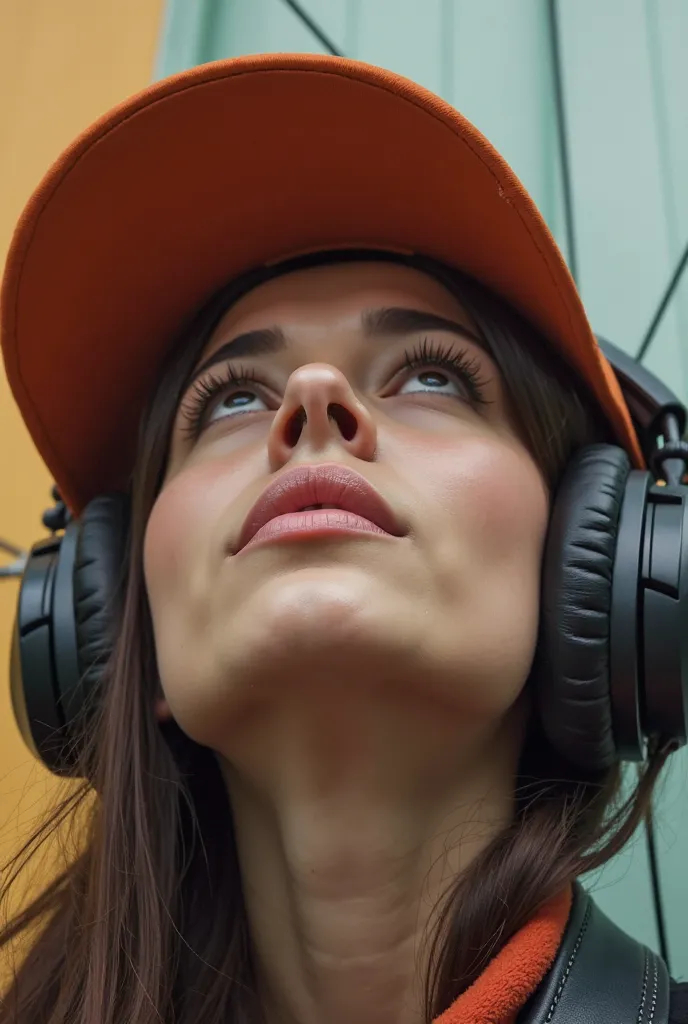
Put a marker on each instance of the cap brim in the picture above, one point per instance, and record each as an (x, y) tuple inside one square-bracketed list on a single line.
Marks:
[(227, 167)]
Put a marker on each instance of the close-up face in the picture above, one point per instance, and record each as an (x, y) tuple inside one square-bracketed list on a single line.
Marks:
[(370, 369)]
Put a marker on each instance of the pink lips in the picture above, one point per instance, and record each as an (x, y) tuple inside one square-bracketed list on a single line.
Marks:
[(279, 511)]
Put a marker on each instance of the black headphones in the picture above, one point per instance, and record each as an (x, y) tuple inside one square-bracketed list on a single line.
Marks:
[(611, 667)]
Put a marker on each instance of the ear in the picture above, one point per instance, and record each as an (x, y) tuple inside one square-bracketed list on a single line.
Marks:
[(162, 710)]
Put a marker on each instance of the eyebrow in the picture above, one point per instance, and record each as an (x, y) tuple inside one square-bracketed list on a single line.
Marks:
[(394, 321)]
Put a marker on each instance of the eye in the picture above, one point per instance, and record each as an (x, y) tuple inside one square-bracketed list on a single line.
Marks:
[(432, 380), (444, 370), (218, 397), (235, 401)]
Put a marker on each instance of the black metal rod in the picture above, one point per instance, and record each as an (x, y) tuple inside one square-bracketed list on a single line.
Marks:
[(664, 302), (14, 569), (314, 27), (562, 135), (656, 888), (10, 548)]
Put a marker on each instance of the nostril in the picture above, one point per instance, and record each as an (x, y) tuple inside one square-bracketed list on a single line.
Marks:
[(344, 419), (295, 426), (346, 422)]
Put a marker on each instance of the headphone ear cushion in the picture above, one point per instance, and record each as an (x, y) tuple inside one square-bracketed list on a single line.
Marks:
[(573, 662), (98, 571)]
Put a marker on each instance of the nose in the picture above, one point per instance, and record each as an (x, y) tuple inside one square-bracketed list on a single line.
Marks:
[(320, 411)]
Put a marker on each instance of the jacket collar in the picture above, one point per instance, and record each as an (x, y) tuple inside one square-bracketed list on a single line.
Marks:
[(497, 995)]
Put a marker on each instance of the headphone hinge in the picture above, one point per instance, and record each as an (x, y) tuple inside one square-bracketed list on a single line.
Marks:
[(669, 461)]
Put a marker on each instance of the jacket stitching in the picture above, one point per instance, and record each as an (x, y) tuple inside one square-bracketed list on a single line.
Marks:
[(574, 954), (643, 995), (655, 987)]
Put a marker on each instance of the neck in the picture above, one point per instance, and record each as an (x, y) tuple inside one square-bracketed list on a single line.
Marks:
[(351, 824)]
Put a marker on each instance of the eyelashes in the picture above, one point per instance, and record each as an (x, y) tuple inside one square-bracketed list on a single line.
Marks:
[(425, 355), (458, 361), (205, 392)]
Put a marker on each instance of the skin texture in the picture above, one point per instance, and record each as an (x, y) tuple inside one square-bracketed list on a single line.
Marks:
[(363, 694)]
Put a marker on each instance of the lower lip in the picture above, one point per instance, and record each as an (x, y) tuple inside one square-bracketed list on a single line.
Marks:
[(316, 523)]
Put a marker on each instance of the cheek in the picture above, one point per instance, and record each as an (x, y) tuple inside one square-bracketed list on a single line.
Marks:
[(184, 537), (500, 491), (184, 543), (482, 537), (174, 521), (485, 497), (489, 568)]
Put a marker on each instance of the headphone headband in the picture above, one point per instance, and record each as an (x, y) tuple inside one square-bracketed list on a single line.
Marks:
[(649, 400)]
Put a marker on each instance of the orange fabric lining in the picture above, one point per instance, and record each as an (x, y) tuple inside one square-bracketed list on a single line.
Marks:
[(514, 974)]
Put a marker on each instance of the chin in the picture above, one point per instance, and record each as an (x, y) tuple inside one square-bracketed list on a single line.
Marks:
[(342, 632), (318, 618)]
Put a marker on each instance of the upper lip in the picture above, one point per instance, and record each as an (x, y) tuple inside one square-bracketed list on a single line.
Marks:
[(325, 484)]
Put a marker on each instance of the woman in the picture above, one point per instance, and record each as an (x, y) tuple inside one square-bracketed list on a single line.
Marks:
[(321, 785)]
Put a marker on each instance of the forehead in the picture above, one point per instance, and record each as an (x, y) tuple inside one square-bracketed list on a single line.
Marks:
[(335, 295)]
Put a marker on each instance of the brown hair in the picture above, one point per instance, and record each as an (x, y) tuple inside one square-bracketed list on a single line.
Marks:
[(129, 931)]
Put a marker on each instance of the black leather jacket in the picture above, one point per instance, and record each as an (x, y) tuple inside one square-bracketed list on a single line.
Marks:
[(603, 976)]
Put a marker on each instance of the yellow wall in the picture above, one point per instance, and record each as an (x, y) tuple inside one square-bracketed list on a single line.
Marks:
[(62, 64)]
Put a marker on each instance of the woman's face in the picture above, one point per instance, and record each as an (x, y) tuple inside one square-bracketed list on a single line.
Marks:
[(444, 610)]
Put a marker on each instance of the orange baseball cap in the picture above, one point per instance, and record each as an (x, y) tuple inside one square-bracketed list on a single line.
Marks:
[(227, 167)]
